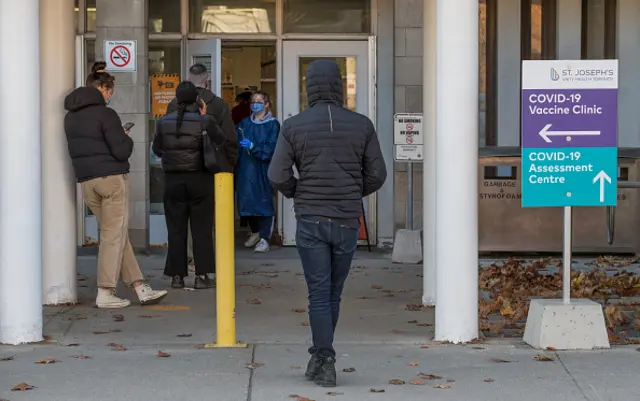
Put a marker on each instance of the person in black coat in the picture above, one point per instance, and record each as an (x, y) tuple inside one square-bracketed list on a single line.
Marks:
[(188, 191)]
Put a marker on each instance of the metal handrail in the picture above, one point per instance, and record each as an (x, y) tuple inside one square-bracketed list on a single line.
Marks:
[(611, 210)]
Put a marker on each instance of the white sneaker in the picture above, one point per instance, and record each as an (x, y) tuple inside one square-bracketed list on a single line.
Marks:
[(262, 246), (148, 296), (107, 299), (252, 240)]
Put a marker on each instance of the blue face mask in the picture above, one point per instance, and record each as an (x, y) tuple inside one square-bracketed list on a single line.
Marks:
[(107, 101), (257, 107)]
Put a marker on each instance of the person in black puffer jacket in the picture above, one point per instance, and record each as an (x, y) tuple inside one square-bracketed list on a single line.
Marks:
[(100, 149), (188, 188), (338, 158)]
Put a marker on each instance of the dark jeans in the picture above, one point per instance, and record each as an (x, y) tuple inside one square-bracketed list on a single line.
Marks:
[(188, 197), (261, 225), (326, 248)]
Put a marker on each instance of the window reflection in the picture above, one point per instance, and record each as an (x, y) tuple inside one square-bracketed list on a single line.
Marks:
[(90, 16), (539, 29), (227, 16), (599, 22), (164, 16), (327, 16)]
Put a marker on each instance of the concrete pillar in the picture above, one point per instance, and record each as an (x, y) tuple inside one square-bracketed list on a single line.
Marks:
[(20, 173), (569, 29), (57, 39), (429, 169), (457, 170), (127, 20)]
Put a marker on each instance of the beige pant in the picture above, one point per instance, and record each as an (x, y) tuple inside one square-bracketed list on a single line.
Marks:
[(108, 199)]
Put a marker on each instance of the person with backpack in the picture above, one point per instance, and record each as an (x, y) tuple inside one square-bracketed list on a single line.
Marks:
[(218, 110), (188, 189)]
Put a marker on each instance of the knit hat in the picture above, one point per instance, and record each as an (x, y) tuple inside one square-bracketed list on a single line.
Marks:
[(186, 93)]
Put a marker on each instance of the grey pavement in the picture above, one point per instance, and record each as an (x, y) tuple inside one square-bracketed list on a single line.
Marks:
[(383, 335)]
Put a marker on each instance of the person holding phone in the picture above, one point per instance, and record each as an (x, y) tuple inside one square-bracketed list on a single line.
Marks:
[(188, 190), (100, 148)]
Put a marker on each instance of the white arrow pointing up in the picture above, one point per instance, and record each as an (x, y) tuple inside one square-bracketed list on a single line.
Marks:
[(602, 177), (545, 133)]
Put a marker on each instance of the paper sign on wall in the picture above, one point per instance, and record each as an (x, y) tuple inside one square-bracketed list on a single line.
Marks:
[(163, 90)]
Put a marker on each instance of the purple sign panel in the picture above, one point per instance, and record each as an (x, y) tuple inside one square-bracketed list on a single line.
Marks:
[(576, 118)]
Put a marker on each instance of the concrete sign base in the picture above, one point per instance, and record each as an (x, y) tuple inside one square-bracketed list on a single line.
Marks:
[(576, 326), (407, 247)]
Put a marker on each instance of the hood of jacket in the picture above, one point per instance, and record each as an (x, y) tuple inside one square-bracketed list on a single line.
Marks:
[(83, 97), (324, 83)]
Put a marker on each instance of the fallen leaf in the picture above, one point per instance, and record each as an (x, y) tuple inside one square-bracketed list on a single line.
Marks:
[(376, 287), (365, 298), (299, 398), (45, 361), (254, 365), (413, 307), (417, 382), (118, 318), (376, 390), (396, 382), (118, 347), (351, 370), (74, 318), (450, 381), (170, 308), (296, 367), (424, 346), (80, 277), (300, 310), (424, 324), (498, 360), (489, 380), (80, 357), (414, 364), (7, 358), (148, 316), (551, 349), (305, 324), (254, 301), (199, 346), (394, 331), (100, 332), (412, 322), (116, 331), (185, 335), (442, 386), (334, 394), (544, 358), (429, 376), (22, 387), (163, 354)]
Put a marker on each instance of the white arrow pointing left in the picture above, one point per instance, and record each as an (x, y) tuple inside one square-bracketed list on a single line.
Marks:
[(545, 133), (602, 177)]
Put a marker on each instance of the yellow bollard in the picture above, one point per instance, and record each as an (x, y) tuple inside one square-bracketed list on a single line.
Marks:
[(225, 263)]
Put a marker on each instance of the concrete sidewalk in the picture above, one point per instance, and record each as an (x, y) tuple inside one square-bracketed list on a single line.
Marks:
[(384, 335)]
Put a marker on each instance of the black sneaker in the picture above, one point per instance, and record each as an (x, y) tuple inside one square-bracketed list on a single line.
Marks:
[(326, 377), (203, 282), (313, 367), (177, 282)]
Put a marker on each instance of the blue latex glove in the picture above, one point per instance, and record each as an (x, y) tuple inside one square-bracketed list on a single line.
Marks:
[(245, 143)]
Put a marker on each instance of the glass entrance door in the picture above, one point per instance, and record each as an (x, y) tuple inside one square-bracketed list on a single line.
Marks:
[(353, 59), (207, 52)]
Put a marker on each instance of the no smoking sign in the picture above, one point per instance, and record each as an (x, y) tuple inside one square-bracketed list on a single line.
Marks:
[(120, 55)]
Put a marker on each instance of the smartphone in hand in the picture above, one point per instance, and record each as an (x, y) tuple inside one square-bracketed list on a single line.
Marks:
[(128, 126)]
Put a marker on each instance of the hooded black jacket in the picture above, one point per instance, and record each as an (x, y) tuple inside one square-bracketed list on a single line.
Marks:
[(98, 145), (336, 152)]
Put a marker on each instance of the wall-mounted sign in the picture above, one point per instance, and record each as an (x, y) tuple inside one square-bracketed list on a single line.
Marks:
[(120, 55), (163, 90)]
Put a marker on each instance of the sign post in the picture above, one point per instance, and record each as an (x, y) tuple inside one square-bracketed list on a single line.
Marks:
[(569, 159), (408, 138)]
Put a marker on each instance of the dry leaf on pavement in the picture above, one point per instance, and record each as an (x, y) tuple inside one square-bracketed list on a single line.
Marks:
[(414, 364), (22, 387), (377, 390), (394, 331), (7, 358), (417, 382), (413, 307), (45, 361), (118, 318), (296, 367), (349, 370), (117, 347), (396, 382), (376, 287), (334, 394), (305, 324), (184, 335), (498, 360), (488, 380), (80, 357), (551, 349), (149, 316), (73, 345), (300, 310), (100, 332), (254, 365), (429, 376), (451, 381), (544, 358), (300, 398), (254, 301), (442, 386), (163, 354)]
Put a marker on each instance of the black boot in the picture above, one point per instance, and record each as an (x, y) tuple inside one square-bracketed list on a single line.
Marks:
[(177, 282), (327, 375), (203, 282), (313, 367)]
